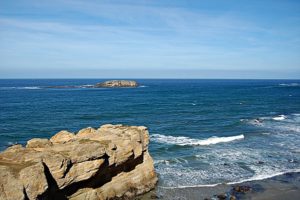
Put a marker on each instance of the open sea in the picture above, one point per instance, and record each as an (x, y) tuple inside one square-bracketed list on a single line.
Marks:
[(203, 132)]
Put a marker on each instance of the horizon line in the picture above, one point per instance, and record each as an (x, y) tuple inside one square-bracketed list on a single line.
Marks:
[(53, 78)]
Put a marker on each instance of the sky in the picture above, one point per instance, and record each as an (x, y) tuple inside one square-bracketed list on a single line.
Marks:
[(243, 39)]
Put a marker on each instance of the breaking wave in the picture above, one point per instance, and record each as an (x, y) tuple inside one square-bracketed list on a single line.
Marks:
[(254, 178), (186, 141), (289, 84), (279, 117), (21, 88), (282, 123)]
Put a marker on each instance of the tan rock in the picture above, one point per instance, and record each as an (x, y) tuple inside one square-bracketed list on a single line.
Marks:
[(58, 166), (117, 83), (10, 187), (110, 162), (34, 180), (82, 171), (86, 132), (38, 143), (62, 137)]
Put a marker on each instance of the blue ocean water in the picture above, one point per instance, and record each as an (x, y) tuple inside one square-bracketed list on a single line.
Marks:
[(202, 131)]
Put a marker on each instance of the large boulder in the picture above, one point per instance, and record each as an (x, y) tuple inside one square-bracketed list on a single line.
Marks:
[(110, 162)]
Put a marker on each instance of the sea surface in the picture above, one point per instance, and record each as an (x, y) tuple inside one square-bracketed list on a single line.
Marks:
[(203, 132)]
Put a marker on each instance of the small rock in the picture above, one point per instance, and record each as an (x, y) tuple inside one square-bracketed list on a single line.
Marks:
[(232, 197), (222, 196), (242, 189), (154, 196)]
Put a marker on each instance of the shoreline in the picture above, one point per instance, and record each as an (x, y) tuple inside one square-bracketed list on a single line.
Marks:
[(284, 186)]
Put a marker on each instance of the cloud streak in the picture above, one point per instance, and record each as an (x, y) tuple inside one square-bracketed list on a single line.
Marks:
[(149, 35)]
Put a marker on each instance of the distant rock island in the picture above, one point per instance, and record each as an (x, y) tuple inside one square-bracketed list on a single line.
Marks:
[(105, 84), (111, 162), (117, 83)]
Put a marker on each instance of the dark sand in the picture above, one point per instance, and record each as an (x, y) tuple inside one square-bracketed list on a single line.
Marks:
[(283, 187)]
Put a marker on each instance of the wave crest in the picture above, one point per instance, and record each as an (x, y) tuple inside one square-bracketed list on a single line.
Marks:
[(186, 141), (289, 84), (279, 118)]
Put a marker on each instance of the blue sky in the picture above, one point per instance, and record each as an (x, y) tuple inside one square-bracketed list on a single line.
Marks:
[(150, 39)]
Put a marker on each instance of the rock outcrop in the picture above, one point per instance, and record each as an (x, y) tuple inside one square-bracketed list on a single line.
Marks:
[(111, 162), (117, 83)]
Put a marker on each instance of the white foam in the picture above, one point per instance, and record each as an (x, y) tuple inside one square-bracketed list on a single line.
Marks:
[(254, 178), (293, 128), (279, 118), (11, 143), (86, 86), (264, 176), (283, 123), (21, 88), (31, 88), (185, 141), (290, 84)]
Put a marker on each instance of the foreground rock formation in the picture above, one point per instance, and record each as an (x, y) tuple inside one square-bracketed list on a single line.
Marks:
[(117, 83), (111, 162)]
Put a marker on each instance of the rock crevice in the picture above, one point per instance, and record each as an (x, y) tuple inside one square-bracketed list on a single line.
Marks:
[(105, 163)]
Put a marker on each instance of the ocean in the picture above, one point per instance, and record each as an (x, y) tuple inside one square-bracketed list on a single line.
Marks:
[(202, 132)]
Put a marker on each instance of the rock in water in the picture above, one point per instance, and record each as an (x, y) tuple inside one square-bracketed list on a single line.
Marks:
[(117, 83), (111, 162)]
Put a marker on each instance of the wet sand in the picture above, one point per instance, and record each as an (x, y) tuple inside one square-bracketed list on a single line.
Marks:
[(283, 187)]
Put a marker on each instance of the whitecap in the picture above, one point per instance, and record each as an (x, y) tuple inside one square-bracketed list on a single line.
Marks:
[(279, 118), (186, 141), (86, 86), (290, 84), (259, 177), (21, 88), (159, 161), (30, 88)]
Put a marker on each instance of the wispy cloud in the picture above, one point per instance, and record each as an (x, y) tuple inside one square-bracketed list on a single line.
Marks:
[(148, 34)]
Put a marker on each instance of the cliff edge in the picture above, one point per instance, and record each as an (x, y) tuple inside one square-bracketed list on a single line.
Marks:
[(111, 162)]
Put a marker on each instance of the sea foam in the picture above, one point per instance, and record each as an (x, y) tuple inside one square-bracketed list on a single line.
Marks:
[(254, 178), (279, 117), (186, 141), (290, 84), (30, 88)]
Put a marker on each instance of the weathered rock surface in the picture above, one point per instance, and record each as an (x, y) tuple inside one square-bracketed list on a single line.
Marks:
[(111, 162), (117, 83)]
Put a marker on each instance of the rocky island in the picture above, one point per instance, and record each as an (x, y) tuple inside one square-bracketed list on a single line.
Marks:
[(105, 84), (111, 162), (117, 83)]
